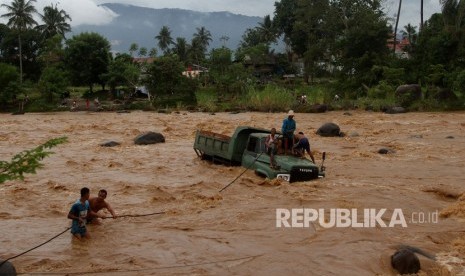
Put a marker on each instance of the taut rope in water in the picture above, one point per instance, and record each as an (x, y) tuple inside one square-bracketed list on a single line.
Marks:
[(56, 236)]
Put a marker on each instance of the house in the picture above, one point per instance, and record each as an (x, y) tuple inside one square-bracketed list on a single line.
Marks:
[(401, 48)]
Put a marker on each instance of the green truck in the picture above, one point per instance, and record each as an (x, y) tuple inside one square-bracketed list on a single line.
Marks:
[(246, 147)]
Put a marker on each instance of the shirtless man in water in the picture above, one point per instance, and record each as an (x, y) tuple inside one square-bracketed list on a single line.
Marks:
[(97, 204)]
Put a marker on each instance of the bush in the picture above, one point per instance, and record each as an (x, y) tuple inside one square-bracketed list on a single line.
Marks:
[(270, 99)]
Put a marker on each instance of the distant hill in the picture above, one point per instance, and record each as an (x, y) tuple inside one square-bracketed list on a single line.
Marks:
[(140, 25)]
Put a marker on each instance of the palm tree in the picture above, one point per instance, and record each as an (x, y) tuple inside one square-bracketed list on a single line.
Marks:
[(453, 13), (397, 24), (181, 48), (266, 30), (203, 37), (54, 22), (164, 39), (19, 15)]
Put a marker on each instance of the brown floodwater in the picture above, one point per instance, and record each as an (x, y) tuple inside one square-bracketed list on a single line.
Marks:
[(204, 232)]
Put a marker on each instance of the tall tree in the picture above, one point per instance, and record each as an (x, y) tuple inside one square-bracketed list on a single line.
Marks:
[(87, 57), (421, 15), (55, 22), (267, 30), (20, 18), (454, 13), (181, 48), (397, 24), (203, 37), (164, 39)]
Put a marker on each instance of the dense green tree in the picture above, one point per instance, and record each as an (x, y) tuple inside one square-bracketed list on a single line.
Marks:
[(8, 83), (164, 39), (31, 46), (250, 38), (122, 72), (164, 78), (284, 17), (228, 77), (87, 57), (55, 22), (20, 17), (53, 82), (52, 52)]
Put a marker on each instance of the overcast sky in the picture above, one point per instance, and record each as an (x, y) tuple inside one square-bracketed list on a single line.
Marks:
[(87, 11)]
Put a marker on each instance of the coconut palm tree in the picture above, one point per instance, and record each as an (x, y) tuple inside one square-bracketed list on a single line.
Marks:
[(181, 48), (54, 22), (19, 15), (203, 37), (164, 39), (266, 30), (453, 13)]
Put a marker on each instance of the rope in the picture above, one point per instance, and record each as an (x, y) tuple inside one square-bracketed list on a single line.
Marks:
[(134, 216), (246, 169), (143, 269), (56, 236)]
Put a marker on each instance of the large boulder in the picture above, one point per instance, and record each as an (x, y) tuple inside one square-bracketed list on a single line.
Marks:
[(149, 138), (329, 130), (408, 93), (405, 262), (7, 269)]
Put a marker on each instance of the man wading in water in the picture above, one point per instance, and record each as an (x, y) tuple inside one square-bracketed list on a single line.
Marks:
[(78, 213), (97, 204)]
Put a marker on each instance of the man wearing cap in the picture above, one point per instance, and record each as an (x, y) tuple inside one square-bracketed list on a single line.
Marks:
[(287, 130)]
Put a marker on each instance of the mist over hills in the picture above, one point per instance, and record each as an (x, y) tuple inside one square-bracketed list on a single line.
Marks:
[(140, 25)]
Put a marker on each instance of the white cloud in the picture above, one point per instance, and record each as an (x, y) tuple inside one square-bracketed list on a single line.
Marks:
[(88, 11), (81, 12)]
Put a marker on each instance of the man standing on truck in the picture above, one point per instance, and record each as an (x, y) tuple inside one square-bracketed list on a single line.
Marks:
[(271, 147), (287, 130), (302, 146)]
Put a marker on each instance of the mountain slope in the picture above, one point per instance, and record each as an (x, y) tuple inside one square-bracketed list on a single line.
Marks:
[(140, 25)]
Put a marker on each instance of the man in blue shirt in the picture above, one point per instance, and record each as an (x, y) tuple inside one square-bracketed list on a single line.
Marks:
[(78, 214), (302, 146), (288, 128)]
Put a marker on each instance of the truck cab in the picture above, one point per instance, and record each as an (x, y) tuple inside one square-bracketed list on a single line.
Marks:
[(291, 168)]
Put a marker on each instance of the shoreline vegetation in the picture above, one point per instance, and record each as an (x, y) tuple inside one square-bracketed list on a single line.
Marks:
[(263, 98), (361, 62)]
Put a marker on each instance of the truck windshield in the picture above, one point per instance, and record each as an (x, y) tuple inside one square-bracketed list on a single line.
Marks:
[(256, 145)]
